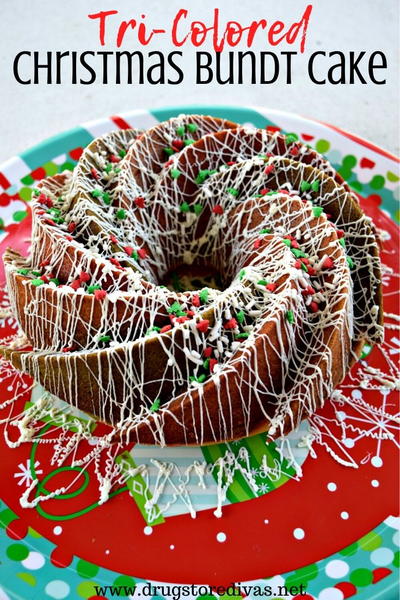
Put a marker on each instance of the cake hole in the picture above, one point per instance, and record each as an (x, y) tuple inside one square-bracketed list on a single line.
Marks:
[(184, 278)]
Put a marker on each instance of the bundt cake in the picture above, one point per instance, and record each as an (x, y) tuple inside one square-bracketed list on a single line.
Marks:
[(196, 283)]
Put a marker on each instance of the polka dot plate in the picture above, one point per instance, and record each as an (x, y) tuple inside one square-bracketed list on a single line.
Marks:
[(333, 530)]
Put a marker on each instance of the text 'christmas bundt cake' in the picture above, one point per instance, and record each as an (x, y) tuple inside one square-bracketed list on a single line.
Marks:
[(196, 283)]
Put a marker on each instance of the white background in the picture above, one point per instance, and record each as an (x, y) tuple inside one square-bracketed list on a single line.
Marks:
[(31, 113)]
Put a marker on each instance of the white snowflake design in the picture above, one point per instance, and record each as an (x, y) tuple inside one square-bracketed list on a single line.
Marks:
[(24, 474)]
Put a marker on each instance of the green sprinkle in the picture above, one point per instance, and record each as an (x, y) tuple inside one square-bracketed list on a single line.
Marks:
[(55, 281), (233, 191), (242, 274), (342, 242), (304, 267), (180, 130), (184, 207), (290, 316), (58, 220), (108, 168), (203, 295), (287, 242), (206, 363), (23, 271), (262, 282), (202, 378), (104, 338), (192, 127), (122, 153), (120, 214), (106, 198), (202, 176), (264, 231), (290, 138), (151, 329), (197, 209), (188, 142), (155, 406), (350, 262), (175, 173), (135, 255), (36, 192), (305, 186), (169, 151), (96, 193), (298, 253), (36, 273), (240, 316), (317, 211), (242, 336), (54, 210), (92, 288), (175, 307), (315, 186), (37, 282)]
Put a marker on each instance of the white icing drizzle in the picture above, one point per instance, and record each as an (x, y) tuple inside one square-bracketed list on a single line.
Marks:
[(194, 367)]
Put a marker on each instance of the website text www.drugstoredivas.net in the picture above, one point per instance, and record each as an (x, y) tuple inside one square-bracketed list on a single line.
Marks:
[(176, 592)]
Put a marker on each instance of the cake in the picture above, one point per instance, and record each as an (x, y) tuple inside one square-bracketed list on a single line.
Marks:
[(195, 283)]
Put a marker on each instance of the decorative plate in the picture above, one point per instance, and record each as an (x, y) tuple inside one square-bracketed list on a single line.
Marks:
[(316, 509)]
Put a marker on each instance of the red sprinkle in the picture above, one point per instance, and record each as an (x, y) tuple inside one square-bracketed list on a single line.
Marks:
[(328, 263), (297, 264), (45, 278), (268, 169), (218, 210), (190, 313), (68, 349), (94, 173), (44, 263), (165, 328), (139, 201), (207, 352), (295, 244), (181, 319), (177, 144), (71, 227), (271, 287), (264, 191), (113, 239), (49, 222), (75, 284), (257, 244), (116, 263), (43, 199), (309, 291), (311, 271), (69, 238), (196, 300), (100, 294), (294, 151), (84, 277), (339, 233), (114, 159), (231, 162), (230, 324), (314, 307), (212, 363), (203, 325), (142, 252), (128, 250)]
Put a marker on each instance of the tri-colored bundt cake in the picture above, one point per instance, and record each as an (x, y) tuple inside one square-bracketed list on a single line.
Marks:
[(196, 283)]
